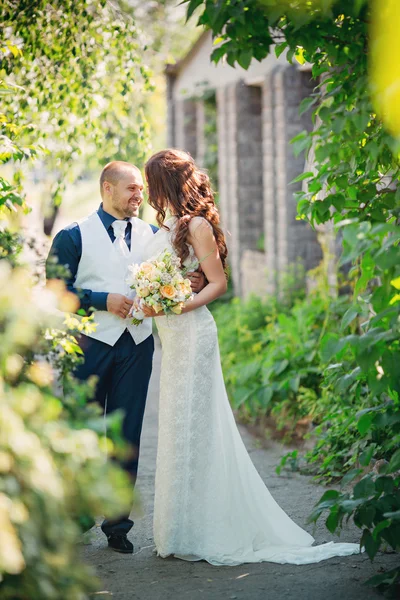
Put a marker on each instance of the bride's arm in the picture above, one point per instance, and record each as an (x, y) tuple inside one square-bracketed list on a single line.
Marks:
[(201, 237)]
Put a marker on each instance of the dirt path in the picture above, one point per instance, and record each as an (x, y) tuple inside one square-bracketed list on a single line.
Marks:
[(146, 577)]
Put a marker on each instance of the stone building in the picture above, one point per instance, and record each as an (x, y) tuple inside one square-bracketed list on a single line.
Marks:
[(256, 115)]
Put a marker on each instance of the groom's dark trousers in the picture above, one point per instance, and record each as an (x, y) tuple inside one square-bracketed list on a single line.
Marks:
[(123, 373)]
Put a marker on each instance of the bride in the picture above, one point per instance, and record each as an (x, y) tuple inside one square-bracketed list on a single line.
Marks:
[(210, 502)]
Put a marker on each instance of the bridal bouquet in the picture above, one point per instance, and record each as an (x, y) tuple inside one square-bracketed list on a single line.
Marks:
[(159, 283)]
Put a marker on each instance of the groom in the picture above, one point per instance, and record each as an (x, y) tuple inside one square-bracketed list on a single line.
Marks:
[(97, 251)]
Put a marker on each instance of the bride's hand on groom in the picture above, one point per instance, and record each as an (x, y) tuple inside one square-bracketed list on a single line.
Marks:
[(197, 279), (119, 305)]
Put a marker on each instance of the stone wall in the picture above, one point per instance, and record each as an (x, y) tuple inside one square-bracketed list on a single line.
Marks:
[(254, 273), (256, 165)]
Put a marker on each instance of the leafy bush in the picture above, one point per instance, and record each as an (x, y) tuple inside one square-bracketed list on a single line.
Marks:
[(374, 504), (241, 329), (345, 434), (271, 357), (91, 48), (361, 358), (278, 363), (52, 465)]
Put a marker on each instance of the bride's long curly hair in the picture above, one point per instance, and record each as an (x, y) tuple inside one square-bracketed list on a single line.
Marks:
[(176, 183)]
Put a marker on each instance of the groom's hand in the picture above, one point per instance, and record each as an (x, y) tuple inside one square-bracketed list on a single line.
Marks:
[(198, 281), (119, 305)]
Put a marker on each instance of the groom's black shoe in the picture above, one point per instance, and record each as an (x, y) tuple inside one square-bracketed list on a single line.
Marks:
[(120, 543)]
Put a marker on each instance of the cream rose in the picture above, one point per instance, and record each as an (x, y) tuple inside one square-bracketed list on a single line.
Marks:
[(177, 309), (183, 288), (147, 269), (168, 291), (143, 292)]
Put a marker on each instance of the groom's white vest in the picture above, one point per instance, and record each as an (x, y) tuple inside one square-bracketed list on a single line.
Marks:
[(103, 269)]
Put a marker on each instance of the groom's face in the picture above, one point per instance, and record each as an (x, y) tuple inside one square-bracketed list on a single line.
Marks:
[(127, 194)]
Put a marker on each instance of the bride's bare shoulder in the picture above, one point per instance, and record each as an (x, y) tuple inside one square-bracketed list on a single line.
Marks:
[(199, 227)]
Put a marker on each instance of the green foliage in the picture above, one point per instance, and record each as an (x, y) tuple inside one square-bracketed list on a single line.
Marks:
[(368, 444), (72, 88), (168, 38), (270, 352), (374, 505), (10, 246), (52, 463), (240, 330), (246, 29), (350, 427)]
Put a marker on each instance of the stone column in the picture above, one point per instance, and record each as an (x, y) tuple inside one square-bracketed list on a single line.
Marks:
[(269, 181), (186, 128), (171, 124), (179, 137), (240, 170), (287, 239), (226, 160), (224, 182), (302, 239), (200, 135)]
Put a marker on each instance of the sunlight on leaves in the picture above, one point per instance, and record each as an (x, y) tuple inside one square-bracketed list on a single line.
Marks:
[(385, 62)]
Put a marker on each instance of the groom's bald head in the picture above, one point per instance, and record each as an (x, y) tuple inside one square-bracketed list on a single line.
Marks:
[(121, 188), (114, 171)]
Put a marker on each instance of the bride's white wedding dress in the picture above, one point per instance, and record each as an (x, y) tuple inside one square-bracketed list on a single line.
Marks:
[(210, 502)]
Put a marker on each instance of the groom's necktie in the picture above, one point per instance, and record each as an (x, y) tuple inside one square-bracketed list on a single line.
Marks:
[(120, 244)]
